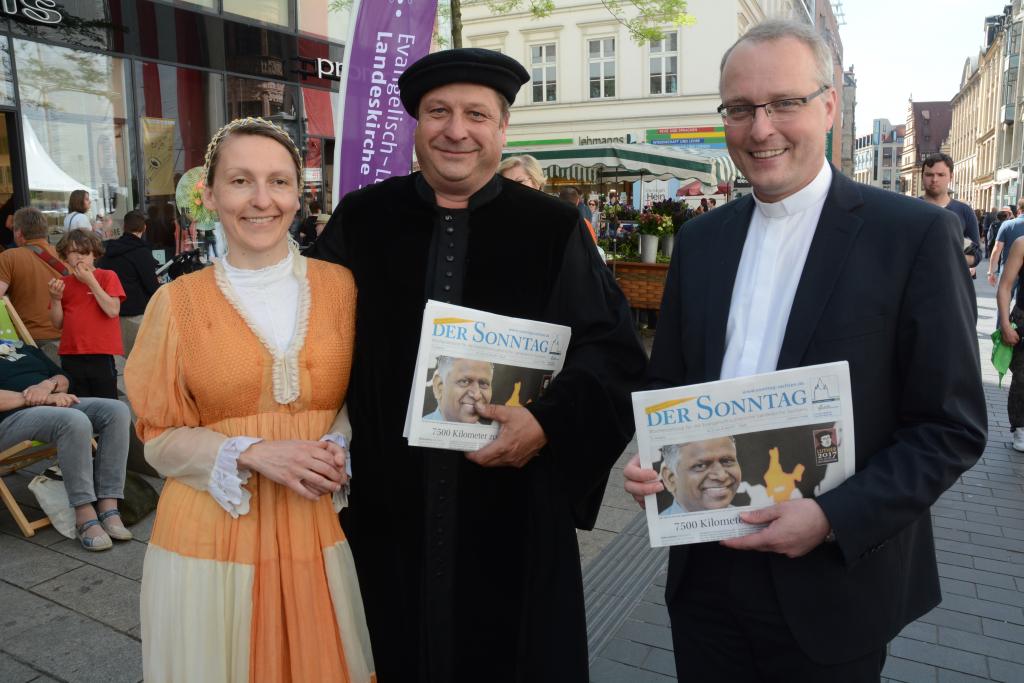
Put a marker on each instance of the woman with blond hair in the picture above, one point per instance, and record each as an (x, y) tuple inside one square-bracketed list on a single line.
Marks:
[(523, 169), (248, 575)]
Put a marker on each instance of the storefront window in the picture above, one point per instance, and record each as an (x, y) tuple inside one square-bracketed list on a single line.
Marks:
[(319, 108), (324, 18), (269, 11), (6, 76), (269, 99), (74, 115), (179, 110)]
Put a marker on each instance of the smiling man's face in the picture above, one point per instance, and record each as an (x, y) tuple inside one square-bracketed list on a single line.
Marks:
[(707, 475), (778, 159)]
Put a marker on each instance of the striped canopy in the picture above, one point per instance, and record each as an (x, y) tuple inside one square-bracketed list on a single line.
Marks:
[(631, 161)]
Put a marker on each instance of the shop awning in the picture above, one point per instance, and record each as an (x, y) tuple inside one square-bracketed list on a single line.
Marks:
[(709, 166)]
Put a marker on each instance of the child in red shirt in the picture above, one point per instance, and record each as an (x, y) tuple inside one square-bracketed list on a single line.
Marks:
[(86, 304)]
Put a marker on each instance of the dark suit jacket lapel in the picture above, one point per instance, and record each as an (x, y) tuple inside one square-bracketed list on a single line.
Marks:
[(726, 261), (830, 247)]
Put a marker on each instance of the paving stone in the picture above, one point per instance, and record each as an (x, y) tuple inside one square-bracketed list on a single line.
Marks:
[(650, 613), (614, 519), (97, 593), (965, 525), (1001, 595), (942, 657), (983, 608), (625, 651), (45, 537), (661, 661), (955, 559), (907, 671), (982, 645), (1005, 672), (976, 575), (919, 630), (26, 564), (958, 620), (646, 634), (997, 567), (957, 587), (1011, 532), (1003, 630), (945, 533), (966, 506), (940, 511), (591, 543), (655, 594), (998, 520), (947, 676), (124, 558), (144, 529), (64, 644), (606, 671), (976, 551), (13, 671), (1013, 544)]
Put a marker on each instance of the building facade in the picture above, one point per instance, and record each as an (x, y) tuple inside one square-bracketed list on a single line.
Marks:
[(927, 128), (121, 97), (877, 155), (849, 108), (591, 84)]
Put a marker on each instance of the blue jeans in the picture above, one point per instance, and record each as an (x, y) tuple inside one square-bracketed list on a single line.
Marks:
[(85, 478)]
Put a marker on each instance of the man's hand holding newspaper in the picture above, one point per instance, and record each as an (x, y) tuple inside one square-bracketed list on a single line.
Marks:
[(519, 440)]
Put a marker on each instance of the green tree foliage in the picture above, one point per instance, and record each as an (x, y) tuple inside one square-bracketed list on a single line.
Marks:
[(643, 19)]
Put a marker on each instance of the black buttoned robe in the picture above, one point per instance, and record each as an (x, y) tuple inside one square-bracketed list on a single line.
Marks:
[(470, 573)]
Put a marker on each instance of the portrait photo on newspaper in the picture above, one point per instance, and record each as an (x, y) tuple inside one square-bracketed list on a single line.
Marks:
[(726, 447), (455, 385)]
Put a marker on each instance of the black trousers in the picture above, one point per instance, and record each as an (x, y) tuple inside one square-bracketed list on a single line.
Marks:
[(91, 374), (727, 626)]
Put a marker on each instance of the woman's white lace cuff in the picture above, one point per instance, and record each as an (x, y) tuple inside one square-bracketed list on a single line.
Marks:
[(227, 480)]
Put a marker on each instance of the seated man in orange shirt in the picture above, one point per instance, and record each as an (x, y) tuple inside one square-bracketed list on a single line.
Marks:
[(25, 272)]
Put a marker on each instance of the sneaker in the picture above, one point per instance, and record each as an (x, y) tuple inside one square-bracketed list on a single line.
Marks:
[(1018, 439)]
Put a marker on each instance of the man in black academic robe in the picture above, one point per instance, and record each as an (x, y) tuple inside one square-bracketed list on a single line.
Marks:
[(468, 563)]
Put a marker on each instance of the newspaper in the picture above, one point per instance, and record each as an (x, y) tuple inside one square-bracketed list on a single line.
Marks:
[(735, 445), (465, 356)]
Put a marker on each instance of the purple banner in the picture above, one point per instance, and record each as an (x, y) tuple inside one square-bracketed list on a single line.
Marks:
[(376, 131)]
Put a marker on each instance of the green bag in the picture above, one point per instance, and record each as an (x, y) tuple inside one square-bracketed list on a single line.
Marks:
[(139, 499), (1001, 353)]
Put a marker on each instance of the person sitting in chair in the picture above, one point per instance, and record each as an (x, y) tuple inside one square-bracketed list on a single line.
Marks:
[(35, 405)]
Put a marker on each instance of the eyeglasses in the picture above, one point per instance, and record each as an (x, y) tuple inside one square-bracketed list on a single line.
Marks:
[(779, 110)]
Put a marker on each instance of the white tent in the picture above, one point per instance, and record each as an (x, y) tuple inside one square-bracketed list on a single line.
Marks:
[(632, 161), (44, 175)]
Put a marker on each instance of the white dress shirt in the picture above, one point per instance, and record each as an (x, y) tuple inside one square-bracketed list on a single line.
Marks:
[(770, 267)]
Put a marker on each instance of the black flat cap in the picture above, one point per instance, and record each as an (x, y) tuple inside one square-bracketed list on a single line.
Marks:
[(461, 65)]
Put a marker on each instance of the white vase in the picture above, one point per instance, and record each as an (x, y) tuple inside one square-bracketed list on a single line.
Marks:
[(666, 245), (649, 248)]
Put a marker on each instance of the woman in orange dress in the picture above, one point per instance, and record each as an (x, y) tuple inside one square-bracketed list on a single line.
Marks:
[(248, 576)]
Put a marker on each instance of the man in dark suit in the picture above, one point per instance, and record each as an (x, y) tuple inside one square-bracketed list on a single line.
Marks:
[(811, 269)]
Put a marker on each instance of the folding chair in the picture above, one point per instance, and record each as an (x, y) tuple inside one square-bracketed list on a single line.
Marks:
[(24, 453)]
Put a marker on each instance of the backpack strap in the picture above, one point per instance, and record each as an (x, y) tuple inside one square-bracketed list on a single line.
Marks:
[(48, 259)]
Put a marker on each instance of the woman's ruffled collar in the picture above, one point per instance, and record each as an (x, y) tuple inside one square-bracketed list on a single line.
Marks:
[(286, 365)]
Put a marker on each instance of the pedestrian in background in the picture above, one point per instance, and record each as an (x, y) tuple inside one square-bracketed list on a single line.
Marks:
[(130, 257), (25, 272), (1011, 322)]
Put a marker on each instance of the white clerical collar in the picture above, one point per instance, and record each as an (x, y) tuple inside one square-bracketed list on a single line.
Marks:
[(811, 195)]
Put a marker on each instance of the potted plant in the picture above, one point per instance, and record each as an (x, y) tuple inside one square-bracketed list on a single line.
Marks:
[(652, 226)]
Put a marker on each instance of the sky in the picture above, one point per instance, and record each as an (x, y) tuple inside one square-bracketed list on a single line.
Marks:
[(900, 48)]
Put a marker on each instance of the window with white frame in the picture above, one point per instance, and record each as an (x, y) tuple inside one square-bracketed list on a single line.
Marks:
[(601, 61), (543, 72), (665, 64)]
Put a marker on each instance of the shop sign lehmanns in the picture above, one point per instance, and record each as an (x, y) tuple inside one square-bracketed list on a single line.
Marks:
[(38, 11)]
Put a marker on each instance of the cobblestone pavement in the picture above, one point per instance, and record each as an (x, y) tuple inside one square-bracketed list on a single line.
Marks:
[(975, 634), (69, 615)]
